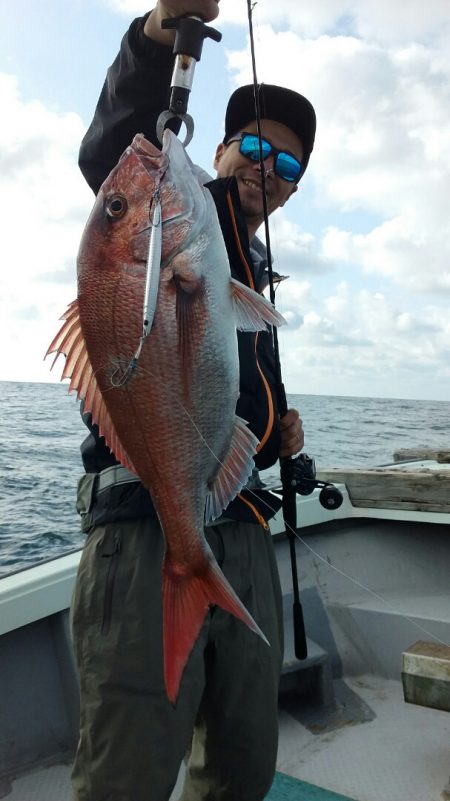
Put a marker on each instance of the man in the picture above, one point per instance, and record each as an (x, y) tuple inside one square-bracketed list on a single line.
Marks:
[(132, 740)]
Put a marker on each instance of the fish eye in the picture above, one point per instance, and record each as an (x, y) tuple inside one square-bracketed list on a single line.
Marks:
[(116, 206)]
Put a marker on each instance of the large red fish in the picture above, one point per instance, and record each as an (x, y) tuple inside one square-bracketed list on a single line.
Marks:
[(164, 394)]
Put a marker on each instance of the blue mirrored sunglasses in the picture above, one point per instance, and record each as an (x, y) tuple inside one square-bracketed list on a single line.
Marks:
[(285, 164)]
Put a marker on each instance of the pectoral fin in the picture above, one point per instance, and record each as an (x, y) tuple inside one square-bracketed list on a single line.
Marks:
[(253, 311)]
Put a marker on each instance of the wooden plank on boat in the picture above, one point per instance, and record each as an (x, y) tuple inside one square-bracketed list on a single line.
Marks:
[(418, 490), (426, 675), (441, 455)]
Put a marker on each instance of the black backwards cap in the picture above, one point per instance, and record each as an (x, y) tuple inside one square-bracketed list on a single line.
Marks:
[(276, 103)]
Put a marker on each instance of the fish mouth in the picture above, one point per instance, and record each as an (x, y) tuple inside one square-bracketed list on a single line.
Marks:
[(172, 170), (154, 160), (172, 152), (172, 158), (143, 147)]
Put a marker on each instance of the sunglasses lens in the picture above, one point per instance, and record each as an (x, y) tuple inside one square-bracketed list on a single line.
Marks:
[(288, 167), (250, 147)]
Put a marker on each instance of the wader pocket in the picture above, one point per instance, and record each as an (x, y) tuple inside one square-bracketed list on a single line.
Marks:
[(85, 498), (110, 549)]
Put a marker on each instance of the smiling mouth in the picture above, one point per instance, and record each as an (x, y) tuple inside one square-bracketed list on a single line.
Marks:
[(253, 185)]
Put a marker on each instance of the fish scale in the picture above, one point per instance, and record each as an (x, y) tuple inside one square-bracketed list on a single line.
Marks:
[(165, 400)]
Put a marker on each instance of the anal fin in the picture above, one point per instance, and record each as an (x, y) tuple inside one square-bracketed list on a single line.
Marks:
[(234, 471)]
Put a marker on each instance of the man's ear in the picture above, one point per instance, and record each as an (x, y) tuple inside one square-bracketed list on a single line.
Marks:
[(220, 150), (292, 192)]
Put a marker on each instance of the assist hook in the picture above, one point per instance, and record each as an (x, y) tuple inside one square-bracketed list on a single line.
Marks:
[(190, 34)]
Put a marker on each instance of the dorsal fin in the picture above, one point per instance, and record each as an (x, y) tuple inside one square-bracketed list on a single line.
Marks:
[(234, 471), (70, 342)]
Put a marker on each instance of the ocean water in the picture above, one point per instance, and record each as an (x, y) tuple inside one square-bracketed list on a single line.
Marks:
[(41, 431)]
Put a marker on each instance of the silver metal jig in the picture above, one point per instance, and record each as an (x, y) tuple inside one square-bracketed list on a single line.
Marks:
[(153, 268)]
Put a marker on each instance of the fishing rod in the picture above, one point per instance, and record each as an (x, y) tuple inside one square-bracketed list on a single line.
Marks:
[(297, 475)]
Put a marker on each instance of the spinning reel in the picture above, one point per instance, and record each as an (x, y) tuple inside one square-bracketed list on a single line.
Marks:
[(300, 473)]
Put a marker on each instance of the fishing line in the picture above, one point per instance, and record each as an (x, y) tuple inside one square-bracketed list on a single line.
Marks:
[(350, 578), (371, 592), (297, 535), (133, 366)]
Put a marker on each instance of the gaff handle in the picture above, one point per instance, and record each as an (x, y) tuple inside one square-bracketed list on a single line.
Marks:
[(190, 34)]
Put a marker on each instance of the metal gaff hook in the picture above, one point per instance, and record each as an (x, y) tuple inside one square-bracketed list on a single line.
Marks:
[(191, 31)]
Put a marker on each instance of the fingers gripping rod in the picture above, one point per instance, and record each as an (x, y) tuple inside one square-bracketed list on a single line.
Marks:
[(190, 34)]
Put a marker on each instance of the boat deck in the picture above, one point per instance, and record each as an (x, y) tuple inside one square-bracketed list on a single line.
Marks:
[(370, 746), (370, 587)]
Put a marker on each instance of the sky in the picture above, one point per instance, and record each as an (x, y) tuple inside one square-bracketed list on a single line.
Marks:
[(365, 240)]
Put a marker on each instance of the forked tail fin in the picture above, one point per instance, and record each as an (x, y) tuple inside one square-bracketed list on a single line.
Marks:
[(185, 604)]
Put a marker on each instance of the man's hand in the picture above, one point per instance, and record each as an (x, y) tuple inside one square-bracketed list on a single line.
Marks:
[(292, 435), (207, 9)]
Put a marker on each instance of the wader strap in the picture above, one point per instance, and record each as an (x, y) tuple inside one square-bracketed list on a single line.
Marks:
[(117, 474), (121, 475), (100, 500), (85, 498)]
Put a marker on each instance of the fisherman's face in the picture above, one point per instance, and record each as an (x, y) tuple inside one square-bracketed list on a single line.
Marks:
[(230, 162)]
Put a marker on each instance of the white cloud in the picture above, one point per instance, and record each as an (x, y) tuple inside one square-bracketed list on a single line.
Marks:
[(360, 342), (43, 205), (413, 255), (381, 148), (371, 19), (379, 76), (380, 20), (295, 251)]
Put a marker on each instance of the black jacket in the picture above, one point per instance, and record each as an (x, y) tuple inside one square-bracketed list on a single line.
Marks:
[(136, 90)]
